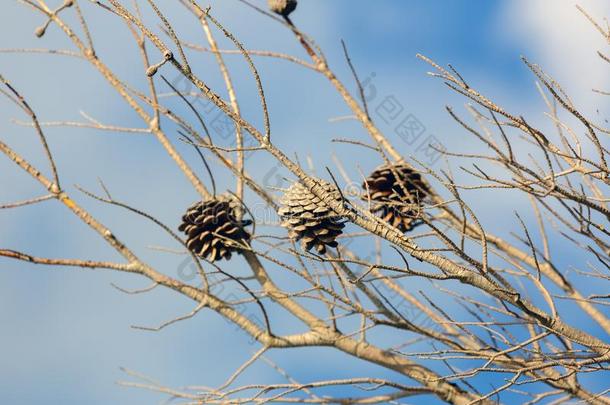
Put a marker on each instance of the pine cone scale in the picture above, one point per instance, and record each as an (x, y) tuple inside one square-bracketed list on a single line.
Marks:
[(397, 193), (309, 219), (212, 229)]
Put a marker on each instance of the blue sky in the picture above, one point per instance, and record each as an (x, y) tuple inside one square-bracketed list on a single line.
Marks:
[(66, 332)]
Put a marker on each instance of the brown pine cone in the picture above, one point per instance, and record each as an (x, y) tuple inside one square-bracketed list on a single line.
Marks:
[(212, 229), (282, 7), (309, 219), (396, 200)]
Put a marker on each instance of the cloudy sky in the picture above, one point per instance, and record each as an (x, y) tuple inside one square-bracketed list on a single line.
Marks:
[(66, 333)]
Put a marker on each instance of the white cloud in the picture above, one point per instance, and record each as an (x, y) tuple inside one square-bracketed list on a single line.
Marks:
[(564, 40)]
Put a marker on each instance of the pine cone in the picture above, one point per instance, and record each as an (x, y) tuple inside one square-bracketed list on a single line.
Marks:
[(397, 201), (282, 7), (309, 219), (213, 230)]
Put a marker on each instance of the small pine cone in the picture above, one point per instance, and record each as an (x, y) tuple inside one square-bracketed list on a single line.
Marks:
[(213, 230), (397, 201), (309, 219), (282, 7)]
